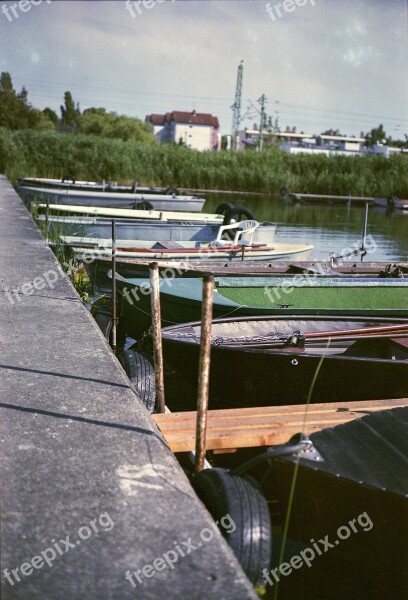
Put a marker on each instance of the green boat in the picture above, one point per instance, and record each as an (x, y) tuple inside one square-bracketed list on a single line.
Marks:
[(180, 298)]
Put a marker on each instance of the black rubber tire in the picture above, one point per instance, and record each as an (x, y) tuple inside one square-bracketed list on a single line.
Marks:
[(133, 189), (103, 318), (242, 499), (172, 191), (104, 322), (239, 213), (141, 374), (68, 178), (284, 192), (144, 205), (224, 208), (391, 202)]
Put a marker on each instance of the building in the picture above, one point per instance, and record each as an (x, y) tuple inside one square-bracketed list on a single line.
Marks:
[(250, 137), (199, 131), (304, 143), (156, 121)]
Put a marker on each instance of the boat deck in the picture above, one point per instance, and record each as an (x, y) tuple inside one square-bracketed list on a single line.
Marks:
[(235, 428)]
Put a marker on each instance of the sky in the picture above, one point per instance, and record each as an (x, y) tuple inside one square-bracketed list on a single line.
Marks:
[(322, 64)]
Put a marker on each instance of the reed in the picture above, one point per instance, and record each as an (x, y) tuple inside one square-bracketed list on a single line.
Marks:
[(51, 154)]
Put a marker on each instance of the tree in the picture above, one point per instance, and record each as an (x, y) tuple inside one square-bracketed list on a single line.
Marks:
[(51, 115), (97, 121), (376, 136), (15, 111), (69, 114)]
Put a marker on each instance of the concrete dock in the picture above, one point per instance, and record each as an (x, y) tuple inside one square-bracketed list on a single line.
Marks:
[(90, 494)]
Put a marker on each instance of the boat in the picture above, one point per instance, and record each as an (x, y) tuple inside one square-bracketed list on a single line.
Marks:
[(131, 267), (180, 297), (71, 183), (130, 224), (194, 250), (391, 203), (138, 199), (284, 360), (90, 231), (350, 479)]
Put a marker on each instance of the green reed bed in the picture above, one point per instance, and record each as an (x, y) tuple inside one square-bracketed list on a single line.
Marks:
[(51, 154)]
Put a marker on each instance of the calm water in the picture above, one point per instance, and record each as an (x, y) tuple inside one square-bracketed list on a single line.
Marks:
[(333, 228)]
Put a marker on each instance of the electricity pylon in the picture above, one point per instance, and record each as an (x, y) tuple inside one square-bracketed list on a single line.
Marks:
[(236, 107)]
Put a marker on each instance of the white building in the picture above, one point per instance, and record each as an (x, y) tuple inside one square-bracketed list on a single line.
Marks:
[(305, 143), (199, 131)]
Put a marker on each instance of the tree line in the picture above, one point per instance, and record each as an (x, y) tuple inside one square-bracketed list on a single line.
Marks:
[(17, 113)]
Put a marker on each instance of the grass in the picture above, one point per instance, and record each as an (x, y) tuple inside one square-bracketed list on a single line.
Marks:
[(72, 267), (51, 154)]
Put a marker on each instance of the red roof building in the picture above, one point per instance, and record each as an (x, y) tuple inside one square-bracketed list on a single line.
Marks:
[(199, 131)]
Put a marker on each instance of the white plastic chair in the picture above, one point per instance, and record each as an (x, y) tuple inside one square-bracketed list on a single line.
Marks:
[(243, 236)]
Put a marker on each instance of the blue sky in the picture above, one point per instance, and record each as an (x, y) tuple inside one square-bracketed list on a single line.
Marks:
[(326, 63)]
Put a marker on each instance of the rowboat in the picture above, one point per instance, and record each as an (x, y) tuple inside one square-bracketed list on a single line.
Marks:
[(100, 186), (391, 203), (131, 267), (271, 360), (180, 297), (137, 199), (196, 250), (91, 230)]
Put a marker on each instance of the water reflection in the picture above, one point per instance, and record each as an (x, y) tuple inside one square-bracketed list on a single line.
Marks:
[(330, 228)]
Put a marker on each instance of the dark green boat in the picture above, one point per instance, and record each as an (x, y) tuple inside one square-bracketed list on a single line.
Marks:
[(263, 295)]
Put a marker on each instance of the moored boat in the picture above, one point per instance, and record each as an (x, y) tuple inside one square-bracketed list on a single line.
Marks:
[(264, 361), (107, 198), (71, 183), (90, 231), (391, 203)]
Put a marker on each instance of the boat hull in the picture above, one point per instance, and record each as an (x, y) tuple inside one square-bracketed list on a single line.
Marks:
[(112, 199), (126, 229), (180, 301), (393, 203), (244, 377)]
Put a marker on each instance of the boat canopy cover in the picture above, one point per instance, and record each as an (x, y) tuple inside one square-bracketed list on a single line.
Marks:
[(371, 451)]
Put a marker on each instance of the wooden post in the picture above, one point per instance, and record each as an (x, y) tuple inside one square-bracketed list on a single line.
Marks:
[(363, 249), (114, 315), (204, 371), (47, 214), (157, 340)]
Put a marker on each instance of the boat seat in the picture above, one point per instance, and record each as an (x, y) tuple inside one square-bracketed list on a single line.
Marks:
[(243, 236)]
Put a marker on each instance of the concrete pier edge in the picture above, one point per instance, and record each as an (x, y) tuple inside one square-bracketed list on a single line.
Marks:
[(87, 480)]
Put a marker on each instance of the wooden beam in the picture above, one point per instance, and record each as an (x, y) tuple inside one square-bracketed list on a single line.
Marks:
[(263, 426)]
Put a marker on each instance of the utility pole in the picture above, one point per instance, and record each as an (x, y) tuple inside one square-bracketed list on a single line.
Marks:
[(236, 107), (262, 101)]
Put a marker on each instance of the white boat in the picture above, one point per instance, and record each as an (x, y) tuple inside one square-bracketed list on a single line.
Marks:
[(133, 229), (138, 199), (133, 214), (242, 247), (69, 182), (392, 203)]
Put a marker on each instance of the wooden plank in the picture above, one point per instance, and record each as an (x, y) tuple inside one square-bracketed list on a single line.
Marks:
[(264, 426)]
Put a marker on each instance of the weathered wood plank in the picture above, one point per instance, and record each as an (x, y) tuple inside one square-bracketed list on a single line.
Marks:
[(249, 427)]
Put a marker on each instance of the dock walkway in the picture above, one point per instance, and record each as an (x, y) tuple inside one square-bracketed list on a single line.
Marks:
[(90, 490)]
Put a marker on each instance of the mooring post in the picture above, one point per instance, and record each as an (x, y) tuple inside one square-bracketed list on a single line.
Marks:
[(114, 316), (47, 214), (157, 340), (363, 250), (204, 372)]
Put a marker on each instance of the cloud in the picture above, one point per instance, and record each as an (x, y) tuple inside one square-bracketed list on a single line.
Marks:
[(331, 64)]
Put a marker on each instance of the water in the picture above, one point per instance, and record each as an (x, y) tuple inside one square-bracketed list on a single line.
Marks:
[(330, 228)]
